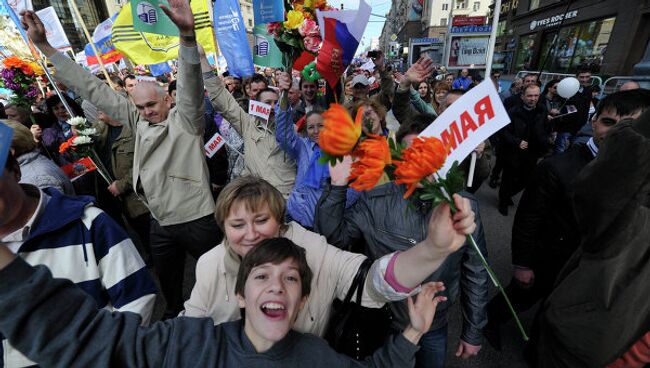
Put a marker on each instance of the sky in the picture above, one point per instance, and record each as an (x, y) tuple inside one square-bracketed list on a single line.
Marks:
[(373, 29)]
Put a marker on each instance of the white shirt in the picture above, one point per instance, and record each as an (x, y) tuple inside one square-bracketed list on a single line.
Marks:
[(16, 239)]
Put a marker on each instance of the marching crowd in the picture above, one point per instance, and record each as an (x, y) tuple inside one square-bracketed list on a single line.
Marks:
[(288, 236)]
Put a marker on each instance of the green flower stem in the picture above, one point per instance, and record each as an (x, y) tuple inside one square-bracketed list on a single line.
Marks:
[(100, 166), (487, 267)]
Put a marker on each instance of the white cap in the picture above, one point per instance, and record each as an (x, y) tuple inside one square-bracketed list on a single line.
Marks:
[(360, 78)]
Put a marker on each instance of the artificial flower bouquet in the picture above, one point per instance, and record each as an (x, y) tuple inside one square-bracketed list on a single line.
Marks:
[(416, 166), (80, 145), (19, 75), (300, 29)]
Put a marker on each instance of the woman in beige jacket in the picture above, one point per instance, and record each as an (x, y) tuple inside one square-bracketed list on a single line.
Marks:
[(250, 210)]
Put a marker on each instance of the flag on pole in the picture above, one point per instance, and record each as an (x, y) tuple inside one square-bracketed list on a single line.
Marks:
[(150, 48), (231, 35), (149, 17), (106, 50), (104, 29), (265, 51), (341, 32), (267, 11), (53, 29), (5, 143), (159, 69)]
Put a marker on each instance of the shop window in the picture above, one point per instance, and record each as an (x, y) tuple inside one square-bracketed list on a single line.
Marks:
[(525, 51), (534, 4), (582, 44)]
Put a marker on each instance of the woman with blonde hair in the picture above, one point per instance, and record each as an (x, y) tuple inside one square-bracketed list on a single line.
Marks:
[(35, 168), (440, 91), (250, 210)]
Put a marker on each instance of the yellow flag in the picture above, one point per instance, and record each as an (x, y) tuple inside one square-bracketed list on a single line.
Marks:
[(151, 48)]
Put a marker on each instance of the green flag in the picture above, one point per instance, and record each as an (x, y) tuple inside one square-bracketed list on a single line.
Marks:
[(265, 52), (148, 17)]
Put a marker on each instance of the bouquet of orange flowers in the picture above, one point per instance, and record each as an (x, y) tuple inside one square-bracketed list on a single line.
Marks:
[(19, 75), (416, 166)]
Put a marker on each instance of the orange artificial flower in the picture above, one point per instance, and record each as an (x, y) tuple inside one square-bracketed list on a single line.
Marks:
[(374, 155), (65, 146), (340, 134), (424, 158), (27, 67), (13, 62)]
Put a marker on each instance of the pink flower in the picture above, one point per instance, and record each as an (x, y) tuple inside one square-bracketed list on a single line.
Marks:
[(309, 28), (312, 43), (274, 28)]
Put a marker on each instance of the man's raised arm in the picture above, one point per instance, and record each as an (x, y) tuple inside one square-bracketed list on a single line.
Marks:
[(79, 80)]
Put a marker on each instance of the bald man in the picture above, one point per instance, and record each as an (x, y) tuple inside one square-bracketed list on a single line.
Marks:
[(169, 170), (630, 85)]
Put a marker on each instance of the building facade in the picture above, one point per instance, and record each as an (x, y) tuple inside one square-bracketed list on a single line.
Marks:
[(437, 14), (607, 36)]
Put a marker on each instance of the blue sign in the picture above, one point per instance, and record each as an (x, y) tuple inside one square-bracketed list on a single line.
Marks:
[(471, 29), (231, 35), (267, 11), (160, 69), (5, 143)]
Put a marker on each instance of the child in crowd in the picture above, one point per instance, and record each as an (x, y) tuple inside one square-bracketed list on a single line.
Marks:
[(311, 174), (56, 324)]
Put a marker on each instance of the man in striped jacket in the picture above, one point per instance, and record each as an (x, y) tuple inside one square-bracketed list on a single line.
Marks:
[(77, 241)]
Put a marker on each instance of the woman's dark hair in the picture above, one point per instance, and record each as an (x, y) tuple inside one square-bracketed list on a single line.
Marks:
[(548, 85), (275, 251), (415, 125), (55, 100), (429, 95)]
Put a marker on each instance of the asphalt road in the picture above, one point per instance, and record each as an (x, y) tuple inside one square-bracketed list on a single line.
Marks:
[(498, 232)]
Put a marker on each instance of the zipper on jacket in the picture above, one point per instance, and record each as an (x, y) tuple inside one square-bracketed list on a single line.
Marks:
[(410, 240)]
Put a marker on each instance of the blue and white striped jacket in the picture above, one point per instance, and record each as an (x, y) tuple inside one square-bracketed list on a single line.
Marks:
[(79, 242)]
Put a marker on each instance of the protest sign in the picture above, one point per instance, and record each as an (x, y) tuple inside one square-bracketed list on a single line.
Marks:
[(259, 109), (53, 29), (469, 121), (214, 144)]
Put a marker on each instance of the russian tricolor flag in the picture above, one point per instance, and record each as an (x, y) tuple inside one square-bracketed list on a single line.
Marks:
[(341, 32)]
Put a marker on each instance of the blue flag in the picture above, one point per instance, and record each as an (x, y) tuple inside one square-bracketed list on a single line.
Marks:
[(159, 69), (231, 35), (5, 143), (267, 11)]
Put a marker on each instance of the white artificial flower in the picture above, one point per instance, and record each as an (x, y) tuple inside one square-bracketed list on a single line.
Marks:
[(87, 132), (77, 141), (78, 120)]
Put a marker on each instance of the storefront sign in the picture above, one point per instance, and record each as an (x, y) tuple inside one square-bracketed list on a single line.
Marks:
[(425, 40), (472, 29), (509, 5), (468, 21), (552, 21)]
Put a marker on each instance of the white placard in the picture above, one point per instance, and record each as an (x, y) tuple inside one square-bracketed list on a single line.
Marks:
[(214, 144), (259, 109), (473, 50), (369, 66), (53, 29), (145, 78), (469, 121)]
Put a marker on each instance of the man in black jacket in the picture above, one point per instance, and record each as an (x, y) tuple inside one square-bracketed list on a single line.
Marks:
[(544, 233), (599, 305), (568, 125), (523, 142)]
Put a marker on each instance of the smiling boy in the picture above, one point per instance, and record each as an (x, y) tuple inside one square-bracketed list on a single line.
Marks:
[(273, 284)]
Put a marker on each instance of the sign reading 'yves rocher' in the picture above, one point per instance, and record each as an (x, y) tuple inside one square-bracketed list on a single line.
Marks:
[(552, 21)]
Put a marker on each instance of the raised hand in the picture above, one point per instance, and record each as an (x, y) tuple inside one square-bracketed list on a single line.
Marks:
[(420, 71), (180, 12), (447, 233), (36, 31), (284, 81), (340, 172)]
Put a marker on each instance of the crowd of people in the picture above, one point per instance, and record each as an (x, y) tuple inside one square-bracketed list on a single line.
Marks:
[(278, 235)]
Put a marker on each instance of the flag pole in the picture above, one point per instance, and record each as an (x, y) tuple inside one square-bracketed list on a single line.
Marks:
[(488, 71), (90, 41)]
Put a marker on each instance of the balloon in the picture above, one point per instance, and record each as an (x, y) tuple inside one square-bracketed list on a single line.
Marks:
[(568, 87)]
